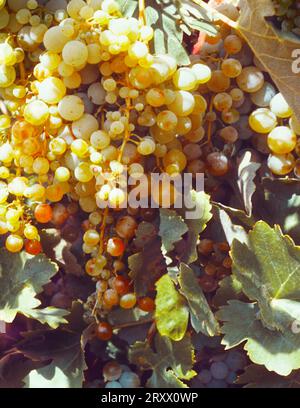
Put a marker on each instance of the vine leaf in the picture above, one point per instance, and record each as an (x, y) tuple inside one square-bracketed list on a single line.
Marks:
[(144, 234), (22, 278), (196, 213), (256, 376), (171, 229), (171, 363), (14, 366), (65, 350), (127, 7), (225, 217), (273, 50), (280, 204), (269, 271), (202, 318), (168, 36), (147, 266), (171, 311), (229, 288), (277, 351)]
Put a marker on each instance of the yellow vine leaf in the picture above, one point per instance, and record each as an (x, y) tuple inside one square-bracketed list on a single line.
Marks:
[(277, 53)]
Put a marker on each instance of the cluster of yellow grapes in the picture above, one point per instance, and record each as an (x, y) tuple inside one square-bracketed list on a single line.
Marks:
[(281, 129), (82, 98)]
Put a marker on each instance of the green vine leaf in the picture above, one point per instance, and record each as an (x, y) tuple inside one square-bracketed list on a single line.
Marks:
[(171, 363), (171, 311), (22, 278), (147, 266), (277, 351), (127, 7), (280, 203), (144, 234), (229, 288), (202, 318), (65, 349), (168, 36), (196, 217), (171, 229), (269, 271), (256, 376)]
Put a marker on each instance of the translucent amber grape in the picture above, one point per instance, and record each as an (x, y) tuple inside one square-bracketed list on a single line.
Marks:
[(282, 140)]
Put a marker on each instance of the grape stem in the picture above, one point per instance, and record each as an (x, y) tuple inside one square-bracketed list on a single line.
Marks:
[(22, 71), (217, 14), (102, 230), (209, 126), (142, 12), (127, 133)]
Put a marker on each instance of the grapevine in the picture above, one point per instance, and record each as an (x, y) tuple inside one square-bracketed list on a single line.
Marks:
[(92, 106)]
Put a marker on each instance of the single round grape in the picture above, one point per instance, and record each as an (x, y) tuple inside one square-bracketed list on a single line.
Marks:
[(75, 53), (14, 243), (281, 164), (202, 73), (229, 134), (251, 79), (262, 120), (128, 301), (235, 360), (43, 213), (231, 67), (218, 82), (146, 304), (175, 156), (219, 370), (130, 380), (183, 103), (104, 331), (167, 120), (126, 227), (54, 39), (33, 247), (36, 112), (222, 101), (71, 107), (155, 97), (282, 140), (280, 107), (85, 126), (7, 75), (115, 246), (112, 371), (263, 97), (218, 164), (233, 44), (185, 79)]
